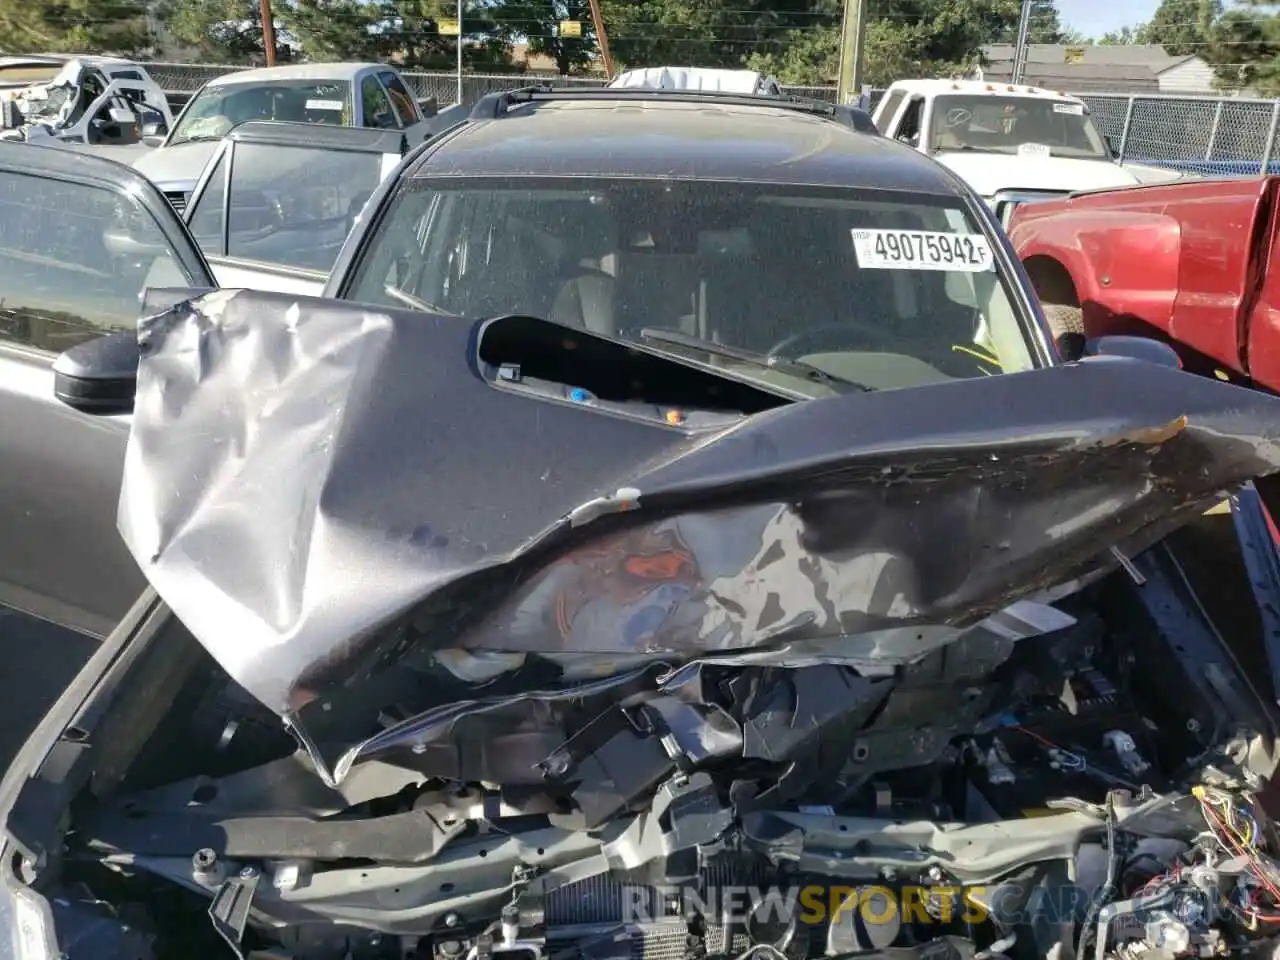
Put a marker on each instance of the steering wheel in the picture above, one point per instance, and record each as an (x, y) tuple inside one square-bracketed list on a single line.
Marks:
[(957, 116), (864, 331)]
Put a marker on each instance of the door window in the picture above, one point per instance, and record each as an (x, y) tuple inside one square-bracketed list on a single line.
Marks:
[(406, 106), (204, 219), (289, 206), (888, 108), (74, 259), (909, 128), (376, 105)]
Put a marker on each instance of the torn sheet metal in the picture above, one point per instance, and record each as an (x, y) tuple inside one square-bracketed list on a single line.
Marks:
[(64, 108), (50, 105), (317, 488)]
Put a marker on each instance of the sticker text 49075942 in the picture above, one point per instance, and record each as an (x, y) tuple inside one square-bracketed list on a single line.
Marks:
[(922, 250)]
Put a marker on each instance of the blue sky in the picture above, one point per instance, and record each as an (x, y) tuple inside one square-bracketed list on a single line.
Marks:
[(1096, 17)]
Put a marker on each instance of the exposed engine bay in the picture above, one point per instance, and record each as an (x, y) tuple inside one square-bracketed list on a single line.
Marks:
[(949, 693), (1003, 796)]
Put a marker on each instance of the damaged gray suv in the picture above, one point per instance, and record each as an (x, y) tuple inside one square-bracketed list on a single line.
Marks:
[(673, 538)]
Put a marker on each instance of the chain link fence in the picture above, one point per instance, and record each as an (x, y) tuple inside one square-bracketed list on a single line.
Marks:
[(1216, 136), (180, 78)]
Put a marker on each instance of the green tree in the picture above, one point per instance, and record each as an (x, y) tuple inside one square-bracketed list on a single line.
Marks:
[(1046, 24), (537, 23), (1242, 44), (1124, 37), (336, 29), (221, 31), (410, 31), (710, 33), (1183, 27), (1244, 48), (75, 26), (908, 38)]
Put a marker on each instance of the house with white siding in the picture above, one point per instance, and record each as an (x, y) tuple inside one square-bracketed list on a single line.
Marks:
[(1187, 75), (1129, 68)]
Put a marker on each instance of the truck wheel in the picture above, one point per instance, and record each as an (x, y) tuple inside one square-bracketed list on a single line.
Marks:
[(1063, 319)]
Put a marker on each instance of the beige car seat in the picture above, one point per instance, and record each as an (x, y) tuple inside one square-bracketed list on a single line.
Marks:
[(587, 299)]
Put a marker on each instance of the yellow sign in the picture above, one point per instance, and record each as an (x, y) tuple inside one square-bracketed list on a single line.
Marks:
[(1073, 55), (881, 905), (448, 28), (570, 28)]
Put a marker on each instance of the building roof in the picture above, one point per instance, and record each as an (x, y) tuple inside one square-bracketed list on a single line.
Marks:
[(1122, 68), (1152, 56), (682, 140)]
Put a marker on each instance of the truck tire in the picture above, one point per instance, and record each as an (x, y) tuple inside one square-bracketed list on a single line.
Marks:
[(1063, 319)]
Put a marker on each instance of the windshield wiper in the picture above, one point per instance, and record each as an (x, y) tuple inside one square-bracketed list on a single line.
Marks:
[(199, 138), (796, 368), (412, 302)]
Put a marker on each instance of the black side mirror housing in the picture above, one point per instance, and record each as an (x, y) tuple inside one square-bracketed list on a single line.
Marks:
[(1134, 348), (1111, 146), (100, 376)]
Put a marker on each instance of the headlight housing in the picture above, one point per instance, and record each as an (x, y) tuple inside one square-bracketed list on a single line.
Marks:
[(1004, 202), (25, 921)]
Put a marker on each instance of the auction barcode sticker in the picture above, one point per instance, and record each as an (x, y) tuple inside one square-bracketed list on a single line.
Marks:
[(922, 250), (1072, 109), (324, 105)]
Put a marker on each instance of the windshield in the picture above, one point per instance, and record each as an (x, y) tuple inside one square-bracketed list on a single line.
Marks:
[(876, 289), (1016, 125), (217, 109)]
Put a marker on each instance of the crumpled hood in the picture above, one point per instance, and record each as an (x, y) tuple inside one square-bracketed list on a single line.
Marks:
[(178, 167), (988, 173), (319, 489)]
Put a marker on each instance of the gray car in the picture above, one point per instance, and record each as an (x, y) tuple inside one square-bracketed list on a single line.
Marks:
[(678, 541), (82, 238)]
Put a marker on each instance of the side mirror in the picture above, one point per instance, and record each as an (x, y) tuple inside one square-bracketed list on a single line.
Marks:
[(154, 133), (1111, 146), (100, 376), (1133, 348)]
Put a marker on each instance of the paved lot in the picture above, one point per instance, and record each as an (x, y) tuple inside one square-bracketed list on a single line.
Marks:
[(36, 662)]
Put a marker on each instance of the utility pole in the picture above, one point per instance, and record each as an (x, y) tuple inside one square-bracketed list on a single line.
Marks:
[(1020, 50), (268, 33), (853, 28), (601, 38)]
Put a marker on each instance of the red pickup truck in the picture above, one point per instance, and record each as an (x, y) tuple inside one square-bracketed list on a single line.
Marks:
[(1183, 262)]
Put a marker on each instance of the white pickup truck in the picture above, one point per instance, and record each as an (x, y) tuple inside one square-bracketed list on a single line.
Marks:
[(1007, 141)]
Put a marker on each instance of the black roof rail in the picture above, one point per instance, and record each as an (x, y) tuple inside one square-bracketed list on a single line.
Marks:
[(495, 105)]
